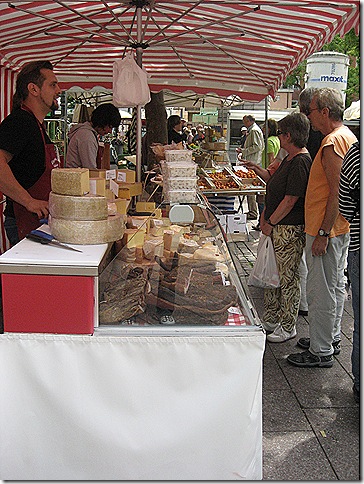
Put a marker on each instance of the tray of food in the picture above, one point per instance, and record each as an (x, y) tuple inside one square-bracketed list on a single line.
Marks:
[(222, 179), (248, 178)]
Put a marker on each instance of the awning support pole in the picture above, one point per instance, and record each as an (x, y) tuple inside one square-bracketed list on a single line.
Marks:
[(139, 55)]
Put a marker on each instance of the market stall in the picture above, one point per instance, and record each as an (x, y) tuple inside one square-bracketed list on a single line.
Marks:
[(165, 389)]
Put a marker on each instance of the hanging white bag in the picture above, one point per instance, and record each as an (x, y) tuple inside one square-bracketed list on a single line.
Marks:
[(130, 83), (265, 271)]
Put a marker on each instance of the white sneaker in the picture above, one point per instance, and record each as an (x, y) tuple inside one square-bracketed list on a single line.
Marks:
[(269, 326), (279, 335)]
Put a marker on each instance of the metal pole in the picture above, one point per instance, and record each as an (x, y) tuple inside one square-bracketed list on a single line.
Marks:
[(266, 132), (139, 54)]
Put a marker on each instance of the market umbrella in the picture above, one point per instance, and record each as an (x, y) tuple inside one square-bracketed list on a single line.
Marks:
[(224, 47)]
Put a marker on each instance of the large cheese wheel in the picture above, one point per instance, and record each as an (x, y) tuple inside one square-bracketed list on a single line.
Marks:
[(88, 231), (70, 181), (68, 207)]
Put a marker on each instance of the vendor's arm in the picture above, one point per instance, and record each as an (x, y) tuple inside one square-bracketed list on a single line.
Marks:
[(11, 188), (279, 213), (331, 163)]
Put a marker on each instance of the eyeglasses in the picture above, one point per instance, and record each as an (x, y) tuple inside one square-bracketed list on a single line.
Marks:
[(310, 111), (279, 132)]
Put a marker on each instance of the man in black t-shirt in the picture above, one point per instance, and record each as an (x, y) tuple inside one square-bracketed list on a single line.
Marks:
[(25, 148)]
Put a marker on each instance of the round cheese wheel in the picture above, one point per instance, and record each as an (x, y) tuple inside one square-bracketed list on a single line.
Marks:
[(87, 232), (88, 207)]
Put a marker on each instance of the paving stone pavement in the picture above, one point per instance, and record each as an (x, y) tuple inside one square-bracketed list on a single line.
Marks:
[(311, 425)]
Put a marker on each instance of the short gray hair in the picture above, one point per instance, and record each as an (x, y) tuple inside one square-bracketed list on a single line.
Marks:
[(328, 97)]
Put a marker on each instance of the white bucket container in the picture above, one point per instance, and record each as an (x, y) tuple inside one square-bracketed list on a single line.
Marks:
[(328, 69)]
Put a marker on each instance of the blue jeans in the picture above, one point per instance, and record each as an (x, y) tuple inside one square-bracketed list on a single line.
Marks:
[(353, 270), (11, 230)]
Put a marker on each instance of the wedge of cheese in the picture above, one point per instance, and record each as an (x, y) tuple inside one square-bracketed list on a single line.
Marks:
[(133, 238), (87, 232), (70, 181), (68, 207)]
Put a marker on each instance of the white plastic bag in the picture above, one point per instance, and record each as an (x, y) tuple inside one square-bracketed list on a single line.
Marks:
[(130, 83), (265, 271)]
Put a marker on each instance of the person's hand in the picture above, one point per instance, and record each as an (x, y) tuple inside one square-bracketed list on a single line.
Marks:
[(248, 164), (265, 227), (40, 207), (319, 246)]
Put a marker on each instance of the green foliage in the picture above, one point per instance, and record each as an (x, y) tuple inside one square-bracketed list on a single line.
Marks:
[(349, 45)]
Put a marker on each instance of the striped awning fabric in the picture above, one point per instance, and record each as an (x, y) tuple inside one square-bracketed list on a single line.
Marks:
[(225, 47)]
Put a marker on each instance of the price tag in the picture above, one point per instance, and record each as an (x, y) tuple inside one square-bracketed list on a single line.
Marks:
[(110, 174)]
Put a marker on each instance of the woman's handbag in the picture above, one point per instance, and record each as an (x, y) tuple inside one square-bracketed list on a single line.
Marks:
[(265, 271), (130, 83)]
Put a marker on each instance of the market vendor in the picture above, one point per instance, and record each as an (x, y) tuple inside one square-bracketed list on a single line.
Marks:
[(27, 155), (83, 149)]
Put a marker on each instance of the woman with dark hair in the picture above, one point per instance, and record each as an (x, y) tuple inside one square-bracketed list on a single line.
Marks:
[(174, 127), (283, 220)]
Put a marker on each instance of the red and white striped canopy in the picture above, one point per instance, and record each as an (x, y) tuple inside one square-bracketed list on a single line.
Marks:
[(225, 47)]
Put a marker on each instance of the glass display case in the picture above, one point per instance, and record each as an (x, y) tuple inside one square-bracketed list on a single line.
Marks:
[(174, 268)]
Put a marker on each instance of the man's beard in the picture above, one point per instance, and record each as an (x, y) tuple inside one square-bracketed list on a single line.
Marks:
[(53, 106)]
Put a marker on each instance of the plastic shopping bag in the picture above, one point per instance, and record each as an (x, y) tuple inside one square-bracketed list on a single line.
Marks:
[(265, 271), (130, 83)]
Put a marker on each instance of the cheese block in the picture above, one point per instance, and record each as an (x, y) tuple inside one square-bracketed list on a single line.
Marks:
[(88, 232), (70, 181), (133, 238), (171, 240), (125, 175), (145, 207), (122, 205), (67, 207), (128, 190), (153, 247), (98, 186)]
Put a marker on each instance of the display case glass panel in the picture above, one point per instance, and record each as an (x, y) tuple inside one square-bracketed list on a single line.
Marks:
[(174, 269)]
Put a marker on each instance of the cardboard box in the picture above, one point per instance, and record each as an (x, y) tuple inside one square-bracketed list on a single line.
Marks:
[(128, 190), (125, 176)]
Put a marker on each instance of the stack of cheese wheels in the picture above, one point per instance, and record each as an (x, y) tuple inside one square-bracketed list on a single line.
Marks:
[(76, 216)]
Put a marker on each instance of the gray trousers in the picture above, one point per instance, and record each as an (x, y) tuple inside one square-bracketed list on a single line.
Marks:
[(326, 293)]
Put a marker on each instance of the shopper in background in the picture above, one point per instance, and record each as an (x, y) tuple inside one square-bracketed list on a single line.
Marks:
[(273, 147), (252, 151), (244, 132), (84, 150), (283, 220), (174, 128), (27, 155), (349, 206), (327, 233), (200, 135)]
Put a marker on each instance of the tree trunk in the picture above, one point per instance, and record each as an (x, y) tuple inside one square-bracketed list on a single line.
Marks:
[(156, 127)]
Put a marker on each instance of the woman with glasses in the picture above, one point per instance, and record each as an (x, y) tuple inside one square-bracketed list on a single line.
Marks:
[(283, 220)]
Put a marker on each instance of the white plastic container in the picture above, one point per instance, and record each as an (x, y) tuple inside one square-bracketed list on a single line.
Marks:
[(178, 155), (180, 196), (328, 69), (179, 169), (181, 183)]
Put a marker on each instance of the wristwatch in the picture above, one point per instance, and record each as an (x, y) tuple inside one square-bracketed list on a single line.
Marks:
[(322, 233)]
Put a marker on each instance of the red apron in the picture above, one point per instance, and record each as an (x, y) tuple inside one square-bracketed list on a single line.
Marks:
[(27, 221)]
